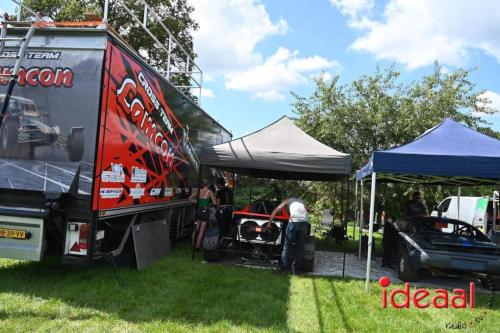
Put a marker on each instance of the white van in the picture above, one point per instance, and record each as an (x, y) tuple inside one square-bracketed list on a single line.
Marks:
[(472, 210)]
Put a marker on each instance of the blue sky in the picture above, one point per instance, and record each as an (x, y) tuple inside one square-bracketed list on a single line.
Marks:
[(253, 53), (351, 36)]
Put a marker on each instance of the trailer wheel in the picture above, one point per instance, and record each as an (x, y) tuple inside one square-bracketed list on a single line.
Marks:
[(9, 142), (75, 144), (406, 272)]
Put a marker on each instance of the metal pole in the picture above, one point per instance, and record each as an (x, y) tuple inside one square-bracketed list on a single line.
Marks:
[(370, 231), (495, 208), (356, 216), (361, 217), (196, 210), (20, 10), (168, 55), (145, 17), (250, 194), (106, 10), (458, 203)]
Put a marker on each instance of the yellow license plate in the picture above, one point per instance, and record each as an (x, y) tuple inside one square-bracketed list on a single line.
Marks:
[(12, 233)]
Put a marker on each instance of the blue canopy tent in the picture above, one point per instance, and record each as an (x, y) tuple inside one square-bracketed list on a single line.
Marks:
[(447, 154)]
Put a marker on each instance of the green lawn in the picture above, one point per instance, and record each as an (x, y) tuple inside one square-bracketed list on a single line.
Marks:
[(179, 295)]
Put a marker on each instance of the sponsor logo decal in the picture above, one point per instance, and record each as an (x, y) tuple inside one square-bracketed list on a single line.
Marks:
[(128, 99), (169, 192), (110, 193), (137, 192), (139, 175), (154, 192), (40, 76), (39, 55), (116, 175)]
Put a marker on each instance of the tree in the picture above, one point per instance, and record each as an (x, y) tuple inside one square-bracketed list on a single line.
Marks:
[(377, 112), (174, 14)]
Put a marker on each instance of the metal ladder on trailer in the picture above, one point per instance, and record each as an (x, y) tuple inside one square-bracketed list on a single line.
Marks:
[(19, 56)]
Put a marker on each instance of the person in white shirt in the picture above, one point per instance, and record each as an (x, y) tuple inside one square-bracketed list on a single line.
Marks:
[(296, 232)]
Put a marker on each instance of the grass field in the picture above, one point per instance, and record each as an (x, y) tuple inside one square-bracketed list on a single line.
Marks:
[(180, 295)]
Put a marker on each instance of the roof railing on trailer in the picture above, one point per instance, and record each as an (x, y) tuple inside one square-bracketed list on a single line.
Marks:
[(176, 64)]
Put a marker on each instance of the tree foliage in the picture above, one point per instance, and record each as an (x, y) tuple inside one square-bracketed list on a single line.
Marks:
[(378, 112), (174, 14)]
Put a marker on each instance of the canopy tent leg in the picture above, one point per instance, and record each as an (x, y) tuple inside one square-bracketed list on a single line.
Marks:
[(458, 202), (370, 231), (361, 217), (356, 219), (250, 194)]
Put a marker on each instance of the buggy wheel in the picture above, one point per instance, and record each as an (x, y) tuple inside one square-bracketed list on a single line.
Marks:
[(9, 142), (75, 144), (307, 264), (406, 272)]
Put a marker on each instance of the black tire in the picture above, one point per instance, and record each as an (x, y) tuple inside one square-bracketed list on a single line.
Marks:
[(76, 144), (307, 264), (9, 143), (406, 272), (212, 255)]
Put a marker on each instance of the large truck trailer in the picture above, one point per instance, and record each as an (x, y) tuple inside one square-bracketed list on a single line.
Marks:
[(97, 148)]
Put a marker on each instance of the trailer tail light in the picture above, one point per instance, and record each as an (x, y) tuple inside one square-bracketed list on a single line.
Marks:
[(77, 236), (84, 236)]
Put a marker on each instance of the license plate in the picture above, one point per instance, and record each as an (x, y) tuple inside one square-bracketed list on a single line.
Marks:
[(12, 233)]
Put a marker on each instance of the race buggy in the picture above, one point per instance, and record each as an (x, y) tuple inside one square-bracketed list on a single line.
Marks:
[(23, 129), (250, 238), (445, 246)]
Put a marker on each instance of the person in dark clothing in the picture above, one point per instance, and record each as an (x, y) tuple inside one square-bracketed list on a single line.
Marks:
[(295, 233), (224, 206), (389, 243), (415, 207)]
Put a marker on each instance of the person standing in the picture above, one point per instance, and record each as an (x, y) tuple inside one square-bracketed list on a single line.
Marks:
[(205, 200), (415, 207), (224, 206), (295, 233)]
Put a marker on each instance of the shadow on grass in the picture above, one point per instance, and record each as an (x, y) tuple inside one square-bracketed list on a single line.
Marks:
[(173, 289)]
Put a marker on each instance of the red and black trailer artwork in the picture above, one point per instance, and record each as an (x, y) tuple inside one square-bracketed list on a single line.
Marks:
[(140, 158)]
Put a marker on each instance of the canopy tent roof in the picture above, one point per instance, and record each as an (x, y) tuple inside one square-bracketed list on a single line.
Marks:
[(447, 154), (280, 151)]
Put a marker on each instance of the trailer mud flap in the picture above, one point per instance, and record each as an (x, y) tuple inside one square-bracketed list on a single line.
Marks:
[(21, 237), (151, 241)]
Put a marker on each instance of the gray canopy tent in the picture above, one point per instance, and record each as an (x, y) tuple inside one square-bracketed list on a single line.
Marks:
[(278, 151)]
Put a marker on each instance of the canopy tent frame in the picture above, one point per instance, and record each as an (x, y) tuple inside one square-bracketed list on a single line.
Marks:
[(486, 160), (282, 151)]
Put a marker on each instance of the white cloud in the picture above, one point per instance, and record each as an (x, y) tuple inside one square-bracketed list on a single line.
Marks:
[(277, 74), (205, 92), (353, 8), (493, 100), (229, 32), (416, 33), (269, 96), (325, 76)]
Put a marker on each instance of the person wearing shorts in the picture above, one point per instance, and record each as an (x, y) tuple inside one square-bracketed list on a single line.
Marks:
[(206, 199)]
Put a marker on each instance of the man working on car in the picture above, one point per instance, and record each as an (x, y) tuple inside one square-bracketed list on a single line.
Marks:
[(296, 232), (415, 207)]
